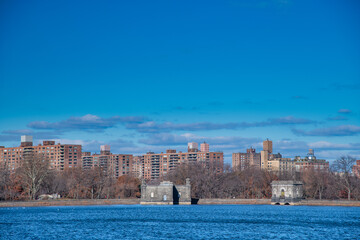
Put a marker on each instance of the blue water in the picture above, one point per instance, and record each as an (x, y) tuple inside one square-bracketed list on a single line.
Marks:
[(180, 222)]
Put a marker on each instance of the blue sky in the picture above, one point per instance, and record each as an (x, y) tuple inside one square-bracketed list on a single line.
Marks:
[(152, 75)]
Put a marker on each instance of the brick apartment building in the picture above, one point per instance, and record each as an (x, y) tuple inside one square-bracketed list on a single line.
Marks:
[(137, 166), (61, 156), (241, 161), (356, 169), (156, 165), (115, 164)]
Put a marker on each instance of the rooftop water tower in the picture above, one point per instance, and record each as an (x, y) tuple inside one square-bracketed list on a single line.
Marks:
[(193, 147), (105, 149), (26, 141)]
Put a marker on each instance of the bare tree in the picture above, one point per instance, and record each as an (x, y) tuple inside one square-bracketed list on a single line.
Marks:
[(127, 187), (4, 181), (33, 171), (316, 182), (343, 167)]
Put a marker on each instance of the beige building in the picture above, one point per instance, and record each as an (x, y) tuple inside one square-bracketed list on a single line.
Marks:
[(280, 165), (265, 154), (275, 162), (268, 146)]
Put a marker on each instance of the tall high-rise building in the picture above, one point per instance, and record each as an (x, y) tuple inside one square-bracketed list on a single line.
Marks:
[(268, 146), (266, 153), (204, 147)]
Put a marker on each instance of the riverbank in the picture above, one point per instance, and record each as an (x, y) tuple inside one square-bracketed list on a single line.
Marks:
[(134, 201), (212, 201)]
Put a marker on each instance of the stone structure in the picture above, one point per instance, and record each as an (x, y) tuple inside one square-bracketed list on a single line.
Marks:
[(166, 193), (286, 192)]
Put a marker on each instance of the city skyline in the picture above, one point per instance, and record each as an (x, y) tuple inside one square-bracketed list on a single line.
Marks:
[(155, 76)]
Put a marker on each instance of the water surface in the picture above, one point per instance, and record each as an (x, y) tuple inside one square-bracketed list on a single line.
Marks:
[(180, 222)]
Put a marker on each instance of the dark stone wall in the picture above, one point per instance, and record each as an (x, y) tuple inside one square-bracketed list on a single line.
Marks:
[(166, 193)]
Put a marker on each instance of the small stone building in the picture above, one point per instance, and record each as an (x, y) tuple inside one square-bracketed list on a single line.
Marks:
[(286, 192), (166, 193)]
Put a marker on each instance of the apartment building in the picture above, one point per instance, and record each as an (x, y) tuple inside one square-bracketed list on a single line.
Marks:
[(138, 166), (281, 165), (61, 156), (156, 165), (114, 164), (310, 162), (356, 169), (251, 158), (276, 163), (204, 147)]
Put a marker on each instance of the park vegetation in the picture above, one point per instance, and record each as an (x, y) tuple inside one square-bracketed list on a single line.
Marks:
[(254, 183), (35, 178)]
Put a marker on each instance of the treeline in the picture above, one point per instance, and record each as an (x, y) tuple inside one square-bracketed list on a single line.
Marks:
[(35, 177), (338, 183), (207, 183)]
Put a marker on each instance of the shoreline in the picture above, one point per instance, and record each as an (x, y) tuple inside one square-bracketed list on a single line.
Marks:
[(136, 201), (310, 202)]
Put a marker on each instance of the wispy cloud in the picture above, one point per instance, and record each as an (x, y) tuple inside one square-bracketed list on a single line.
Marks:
[(215, 103), (154, 127), (289, 120), (117, 145), (338, 86), (298, 97), (9, 138), (342, 130), (324, 145), (342, 87), (337, 118), (344, 111), (93, 123), (88, 122), (167, 139), (14, 135)]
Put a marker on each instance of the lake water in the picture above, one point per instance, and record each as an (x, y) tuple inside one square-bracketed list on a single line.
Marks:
[(180, 222)]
